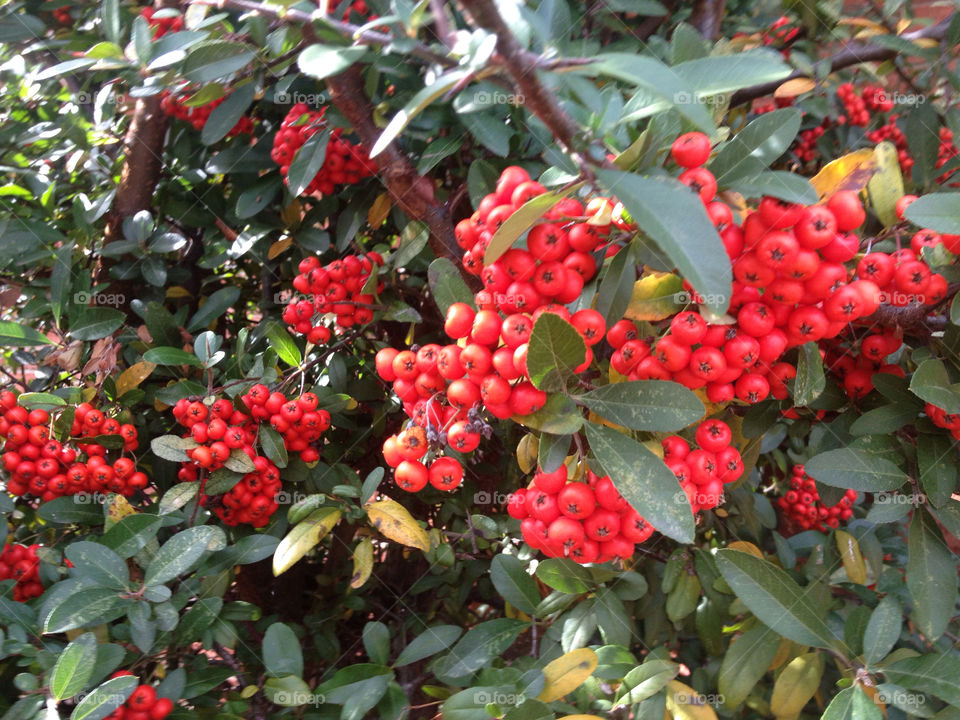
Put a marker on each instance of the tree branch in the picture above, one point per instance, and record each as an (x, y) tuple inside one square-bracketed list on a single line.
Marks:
[(707, 16), (414, 194), (521, 65), (853, 53)]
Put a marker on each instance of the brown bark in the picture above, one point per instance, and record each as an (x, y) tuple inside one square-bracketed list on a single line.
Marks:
[(707, 16)]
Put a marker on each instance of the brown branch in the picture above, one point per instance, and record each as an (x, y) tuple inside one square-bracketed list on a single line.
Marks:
[(854, 53), (521, 65), (415, 195), (707, 16)]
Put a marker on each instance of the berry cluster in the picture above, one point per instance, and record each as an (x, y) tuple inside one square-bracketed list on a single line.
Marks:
[(221, 429), (855, 362), (336, 288), (175, 106), (63, 16), (588, 522), (704, 471), (782, 32), (802, 509), (359, 8), (161, 25), (344, 163), (556, 262), (42, 466), (892, 132), (414, 452), (20, 563), (143, 703), (941, 418), (872, 98)]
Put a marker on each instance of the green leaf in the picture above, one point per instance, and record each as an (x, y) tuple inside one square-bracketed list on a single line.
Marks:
[(95, 323), (645, 681), (33, 400), (810, 381), (616, 287), (69, 509), (559, 416), (552, 451), (214, 307), (15, 334), (171, 356), (308, 161), (777, 183), (251, 201), (105, 699), (322, 61), (214, 60), (74, 667), (60, 280), (938, 211), (177, 555), (937, 468), (522, 219), (931, 383), (178, 496), (855, 469), (515, 585), (745, 662), (653, 405), (226, 115), (417, 104), (98, 563), (131, 534), (376, 641), (413, 239), (675, 218), (776, 600), (283, 344), (447, 285), (647, 484), (852, 704), (937, 674), (281, 651), (173, 447), (86, 607), (883, 630), (931, 576), (725, 73), (272, 444), (663, 82), (110, 17), (556, 349), (564, 575), (481, 645), (289, 691), (756, 146), (428, 643)]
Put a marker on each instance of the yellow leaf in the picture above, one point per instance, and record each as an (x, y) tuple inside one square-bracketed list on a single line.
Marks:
[(394, 521), (249, 691), (794, 87), (567, 673), (655, 297), (685, 703), (351, 404), (292, 214), (797, 683), (785, 651), (747, 547), (926, 42), (362, 563), (710, 407), (159, 406), (176, 291), (850, 172), (886, 186), (133, 376), (118, 509), (864, 23), (511, 612), (279, 247), (100, 632), (303, 538), (852, 558), (527, 450), (378, 211), (88, 394)]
